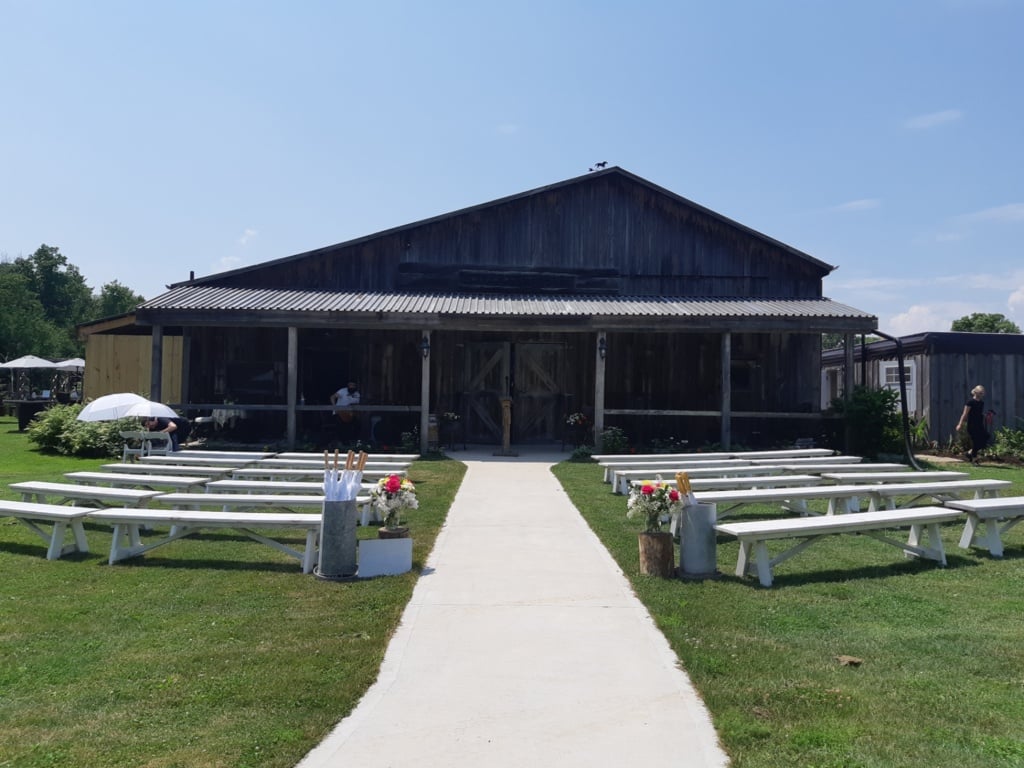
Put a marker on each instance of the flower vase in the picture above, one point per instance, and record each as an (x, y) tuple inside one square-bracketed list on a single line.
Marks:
[(397, 532), (657, 553)]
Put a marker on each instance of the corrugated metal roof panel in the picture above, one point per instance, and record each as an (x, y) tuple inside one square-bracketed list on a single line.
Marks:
[(204, 298)]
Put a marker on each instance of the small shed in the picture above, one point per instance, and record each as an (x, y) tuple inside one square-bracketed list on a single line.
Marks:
[(940, 369)]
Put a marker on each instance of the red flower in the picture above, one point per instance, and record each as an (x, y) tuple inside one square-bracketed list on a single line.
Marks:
[(673, 495), (393, 484), (647, 490)]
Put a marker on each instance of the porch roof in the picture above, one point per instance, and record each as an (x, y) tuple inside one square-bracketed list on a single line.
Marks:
[(210, 305)]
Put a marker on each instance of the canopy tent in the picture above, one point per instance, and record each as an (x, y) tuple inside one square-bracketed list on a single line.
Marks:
[(29, 361), (71, 365)]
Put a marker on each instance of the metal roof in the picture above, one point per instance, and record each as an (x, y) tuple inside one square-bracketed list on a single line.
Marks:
[(215, 299)]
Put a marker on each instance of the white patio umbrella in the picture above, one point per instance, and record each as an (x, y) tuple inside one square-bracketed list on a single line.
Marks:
[(28, 361), (152, 410), (71, 365), (110, 407)]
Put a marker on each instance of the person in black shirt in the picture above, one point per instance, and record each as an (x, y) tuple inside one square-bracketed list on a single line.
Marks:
[(974, 417)]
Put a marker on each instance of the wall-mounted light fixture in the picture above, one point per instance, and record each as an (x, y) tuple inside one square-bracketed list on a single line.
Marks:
[(425, 347), (602, 347)]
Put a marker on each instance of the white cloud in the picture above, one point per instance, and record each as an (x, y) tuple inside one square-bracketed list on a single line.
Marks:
[(921, 318), (248, 235), (1015, 303), (226, 263), (932, 119), (865, 204), (1009, 212)]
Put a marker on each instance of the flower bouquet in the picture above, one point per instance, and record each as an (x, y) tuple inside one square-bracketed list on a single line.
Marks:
[(393, 494), (653, 501), (576, 420)]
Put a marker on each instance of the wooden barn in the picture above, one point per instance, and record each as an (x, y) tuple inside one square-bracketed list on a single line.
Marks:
[(604, 295), (940, 369)]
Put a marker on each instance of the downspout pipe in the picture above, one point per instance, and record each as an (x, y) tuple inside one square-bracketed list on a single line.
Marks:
[(907, 450)]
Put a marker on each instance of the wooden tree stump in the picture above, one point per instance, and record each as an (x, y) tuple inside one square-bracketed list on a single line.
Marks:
[(657, 554)]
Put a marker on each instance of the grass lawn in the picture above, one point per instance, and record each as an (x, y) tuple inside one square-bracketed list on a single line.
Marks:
[(941, 681), (211, 651)]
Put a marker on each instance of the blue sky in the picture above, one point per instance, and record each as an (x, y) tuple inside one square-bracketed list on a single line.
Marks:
[(147, 141)]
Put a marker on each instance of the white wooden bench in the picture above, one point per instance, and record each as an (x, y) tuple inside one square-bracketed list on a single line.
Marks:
[(248, 501), (274, 486), (137, 480), (244, 455), (999, 515), (885, 494), (183, 459), (382, 465), (127, 540), (307, 456), (838, 459), (802, 453), (613, 468), (840, 498), (61, 518), (756, 534), (97, 495), (818, 468), (283, 473), (892, 477), (622, 478), (739, 483), (141, 442), (157, 469)]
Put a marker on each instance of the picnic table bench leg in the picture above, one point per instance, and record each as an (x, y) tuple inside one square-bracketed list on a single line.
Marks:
[(993, 539), (56, 547), (743, 560), (764, 564)]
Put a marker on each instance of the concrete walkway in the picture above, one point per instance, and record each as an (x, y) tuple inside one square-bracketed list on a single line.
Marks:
[(523, 645)]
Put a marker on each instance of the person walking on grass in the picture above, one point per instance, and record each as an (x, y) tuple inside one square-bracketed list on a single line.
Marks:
[(974, 417)]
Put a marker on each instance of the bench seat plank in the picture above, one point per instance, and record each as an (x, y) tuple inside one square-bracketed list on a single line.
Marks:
[(940, 492), (31, 514), (98, 495), (999, 515), (137, 480), (893, 477), (159, 469), (127, 539), (757, 533)]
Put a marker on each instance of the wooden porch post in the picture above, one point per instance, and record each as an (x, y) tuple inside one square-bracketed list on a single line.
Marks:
[(600, 351), (726, 437), (156, 375), (293, 377), (849, 373), (186, 366), (425, 395)]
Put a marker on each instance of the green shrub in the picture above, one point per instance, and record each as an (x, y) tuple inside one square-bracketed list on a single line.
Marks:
[(614, 440), (1008, 442), (57, 430), (872, 421)]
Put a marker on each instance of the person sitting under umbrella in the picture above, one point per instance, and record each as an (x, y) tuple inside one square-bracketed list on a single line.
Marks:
[(154, 424)]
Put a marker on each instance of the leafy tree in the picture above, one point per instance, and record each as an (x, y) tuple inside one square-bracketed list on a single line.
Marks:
[(24, 327), (60, 289), (985, 322), (115, 299)]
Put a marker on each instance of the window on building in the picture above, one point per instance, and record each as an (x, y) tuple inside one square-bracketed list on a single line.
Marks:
[(889, 374)]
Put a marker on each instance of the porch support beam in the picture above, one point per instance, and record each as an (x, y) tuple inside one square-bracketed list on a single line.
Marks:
[(156, 368), (726, 436), (293, 379), (600, 352), (425, 396)]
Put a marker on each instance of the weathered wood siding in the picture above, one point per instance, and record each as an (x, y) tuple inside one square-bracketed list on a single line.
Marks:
[(607, 235)]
